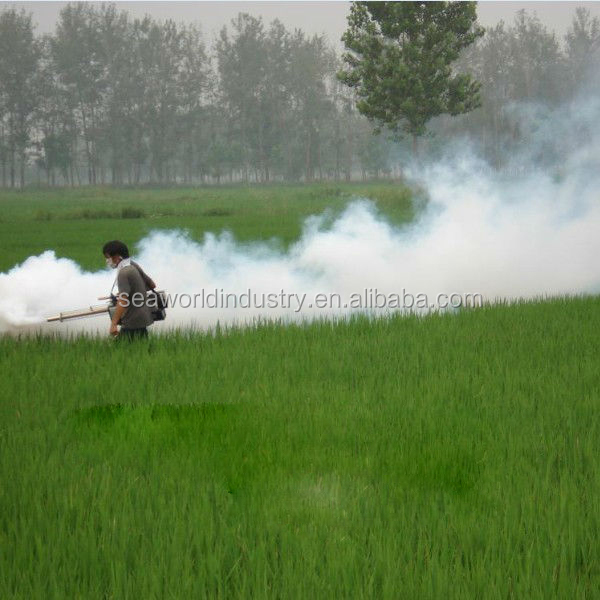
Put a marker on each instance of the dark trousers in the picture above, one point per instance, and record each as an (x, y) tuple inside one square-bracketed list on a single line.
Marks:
[(132, 334)]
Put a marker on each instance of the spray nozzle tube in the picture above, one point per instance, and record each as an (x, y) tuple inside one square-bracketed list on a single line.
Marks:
[(90, 311), (86, 312), (81, 312)]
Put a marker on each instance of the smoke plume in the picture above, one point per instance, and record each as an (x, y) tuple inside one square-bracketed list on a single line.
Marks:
[(527, 232)]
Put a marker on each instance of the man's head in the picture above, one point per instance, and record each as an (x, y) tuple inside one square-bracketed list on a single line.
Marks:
[(114, 252)]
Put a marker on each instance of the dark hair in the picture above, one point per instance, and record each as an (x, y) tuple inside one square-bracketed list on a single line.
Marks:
[(115, 248)]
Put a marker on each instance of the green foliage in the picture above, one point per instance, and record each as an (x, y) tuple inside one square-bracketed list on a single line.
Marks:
[(452, 456), (19, 61), (217, 212), (523, 70), (583, 43), (43, 215), (400, 61), (108, 98), (130, 212), (114, 99), (273, 83)]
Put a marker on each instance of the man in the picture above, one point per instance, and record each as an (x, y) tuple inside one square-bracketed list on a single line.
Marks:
[(132, 311)]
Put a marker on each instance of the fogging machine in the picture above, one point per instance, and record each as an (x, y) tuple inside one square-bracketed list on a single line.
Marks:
[(159, 306)]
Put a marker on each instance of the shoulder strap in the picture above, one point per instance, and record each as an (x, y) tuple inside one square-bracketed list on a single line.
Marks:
[(145, 277)]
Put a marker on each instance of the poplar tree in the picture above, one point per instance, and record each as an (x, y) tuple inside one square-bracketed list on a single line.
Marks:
[(19, 58), (399, 61), (582, 46)]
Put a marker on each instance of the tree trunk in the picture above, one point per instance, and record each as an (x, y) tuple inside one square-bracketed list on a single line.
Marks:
[(3, 156), (337, 150), (22, 169), (320, 163), (87, 144), (348, 166), (415, 147), (307, 170), (94, 149), (12, 166)]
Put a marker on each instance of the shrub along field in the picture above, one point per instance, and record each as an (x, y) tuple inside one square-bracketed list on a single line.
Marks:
[(448, 456)]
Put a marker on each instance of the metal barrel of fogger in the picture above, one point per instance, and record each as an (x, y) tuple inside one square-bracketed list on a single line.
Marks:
[(90, 311)]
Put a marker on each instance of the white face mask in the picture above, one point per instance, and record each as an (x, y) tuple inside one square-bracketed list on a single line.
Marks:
[(110, 263)]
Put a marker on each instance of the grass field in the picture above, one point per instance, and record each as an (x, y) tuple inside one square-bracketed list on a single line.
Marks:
[(451, 456), (76, 222)]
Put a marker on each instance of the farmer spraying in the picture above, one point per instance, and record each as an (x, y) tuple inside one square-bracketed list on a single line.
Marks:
[(132, 311)]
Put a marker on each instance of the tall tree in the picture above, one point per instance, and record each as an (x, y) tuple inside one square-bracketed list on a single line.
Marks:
[(162, 55), (343, 131), (19, 57), (400, 61), (115, 137), (78, 55), (57, 138), (276, 99), (536, 61), (489, 60), (195, 85), (583, 46), (312, 62), (242, 63)]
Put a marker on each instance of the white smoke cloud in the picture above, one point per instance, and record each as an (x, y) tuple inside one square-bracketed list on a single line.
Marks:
[(506, 237)]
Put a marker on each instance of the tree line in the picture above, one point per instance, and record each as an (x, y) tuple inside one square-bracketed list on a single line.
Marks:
[(524, 67), (111, 99)]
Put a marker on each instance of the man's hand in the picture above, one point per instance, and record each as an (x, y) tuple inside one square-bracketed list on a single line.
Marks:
[(114, 330)]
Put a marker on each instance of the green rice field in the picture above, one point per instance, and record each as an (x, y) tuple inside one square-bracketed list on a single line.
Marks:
[(76, 222), (446, 456)]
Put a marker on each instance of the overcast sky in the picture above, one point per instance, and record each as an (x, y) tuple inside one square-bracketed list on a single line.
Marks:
[(312, 17)]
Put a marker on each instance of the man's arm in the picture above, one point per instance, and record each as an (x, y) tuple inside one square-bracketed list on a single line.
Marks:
[(124, 285), (122, 305)]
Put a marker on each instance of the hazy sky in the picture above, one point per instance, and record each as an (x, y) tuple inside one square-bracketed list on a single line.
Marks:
[(312, 17)]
